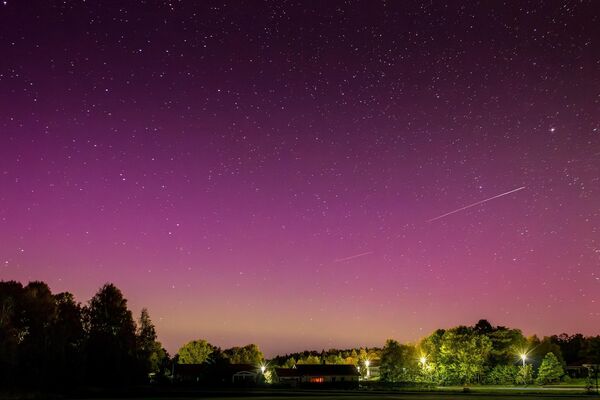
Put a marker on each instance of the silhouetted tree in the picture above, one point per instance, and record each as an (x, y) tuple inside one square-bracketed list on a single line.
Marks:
[(36, 349), (12, 330), (483, 327), (150, 353), (591, 351), (539, 348), (112, 342), (68, 340), (572, 347)]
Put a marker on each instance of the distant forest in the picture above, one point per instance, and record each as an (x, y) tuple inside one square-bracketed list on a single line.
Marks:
[(50, 341)]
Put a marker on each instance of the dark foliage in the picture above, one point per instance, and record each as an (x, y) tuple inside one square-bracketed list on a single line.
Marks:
[(49, 341)]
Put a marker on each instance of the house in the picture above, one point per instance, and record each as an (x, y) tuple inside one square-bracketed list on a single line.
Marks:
[(318, 375), (287, 376), (245, 374), (372, 371), (218, 375)]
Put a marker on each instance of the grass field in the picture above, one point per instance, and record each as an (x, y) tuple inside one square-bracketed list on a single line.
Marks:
[(384, 396), (439, 393), (446, 393)]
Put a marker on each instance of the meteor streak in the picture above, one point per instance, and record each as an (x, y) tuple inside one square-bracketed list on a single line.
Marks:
[(475, 204), (353, 257)]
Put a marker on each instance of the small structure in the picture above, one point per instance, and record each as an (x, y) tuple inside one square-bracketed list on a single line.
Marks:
[(287, 376), (319, 375), (218, 374), (245, 374), (372, 371)]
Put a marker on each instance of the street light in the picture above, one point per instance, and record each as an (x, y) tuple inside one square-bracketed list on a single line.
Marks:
[(263, 369), (367, 363), (523, 358), (423, 360)]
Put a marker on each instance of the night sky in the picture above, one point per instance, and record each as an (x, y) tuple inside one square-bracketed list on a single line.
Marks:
[(274, 172)]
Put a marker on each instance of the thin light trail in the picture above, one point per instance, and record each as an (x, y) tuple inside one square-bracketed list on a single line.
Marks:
[(476, 204), (353, 257)]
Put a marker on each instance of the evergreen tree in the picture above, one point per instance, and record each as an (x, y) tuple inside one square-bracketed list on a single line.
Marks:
[(550, 371), (111, 346), (151, 355)]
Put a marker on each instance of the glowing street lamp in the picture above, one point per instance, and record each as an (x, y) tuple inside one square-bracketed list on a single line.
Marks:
[(367, 363), (523, 358), (263, 369), (423, 361)]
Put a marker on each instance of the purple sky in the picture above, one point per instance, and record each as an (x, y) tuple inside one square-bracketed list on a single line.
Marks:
[(265, 172)]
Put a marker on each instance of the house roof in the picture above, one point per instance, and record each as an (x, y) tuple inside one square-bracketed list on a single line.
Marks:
[(199, 369), (287, 372), (235, 368), (318, 370)]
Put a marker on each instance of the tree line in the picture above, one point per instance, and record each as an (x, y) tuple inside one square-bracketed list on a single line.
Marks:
[(484, 354), (479, 354), (51, 340)]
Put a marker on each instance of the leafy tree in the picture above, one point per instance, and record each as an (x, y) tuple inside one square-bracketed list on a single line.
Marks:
[(502, 375), (550, 371), (334, 359), (290, 363), (429, 348), (525, 375), (112, 339), (351, 357), (195, 352), (310, 359), (362, 355), (462, 355), (249, 354), (398, 362), (348, 356), (540, 348), (506, 345)]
